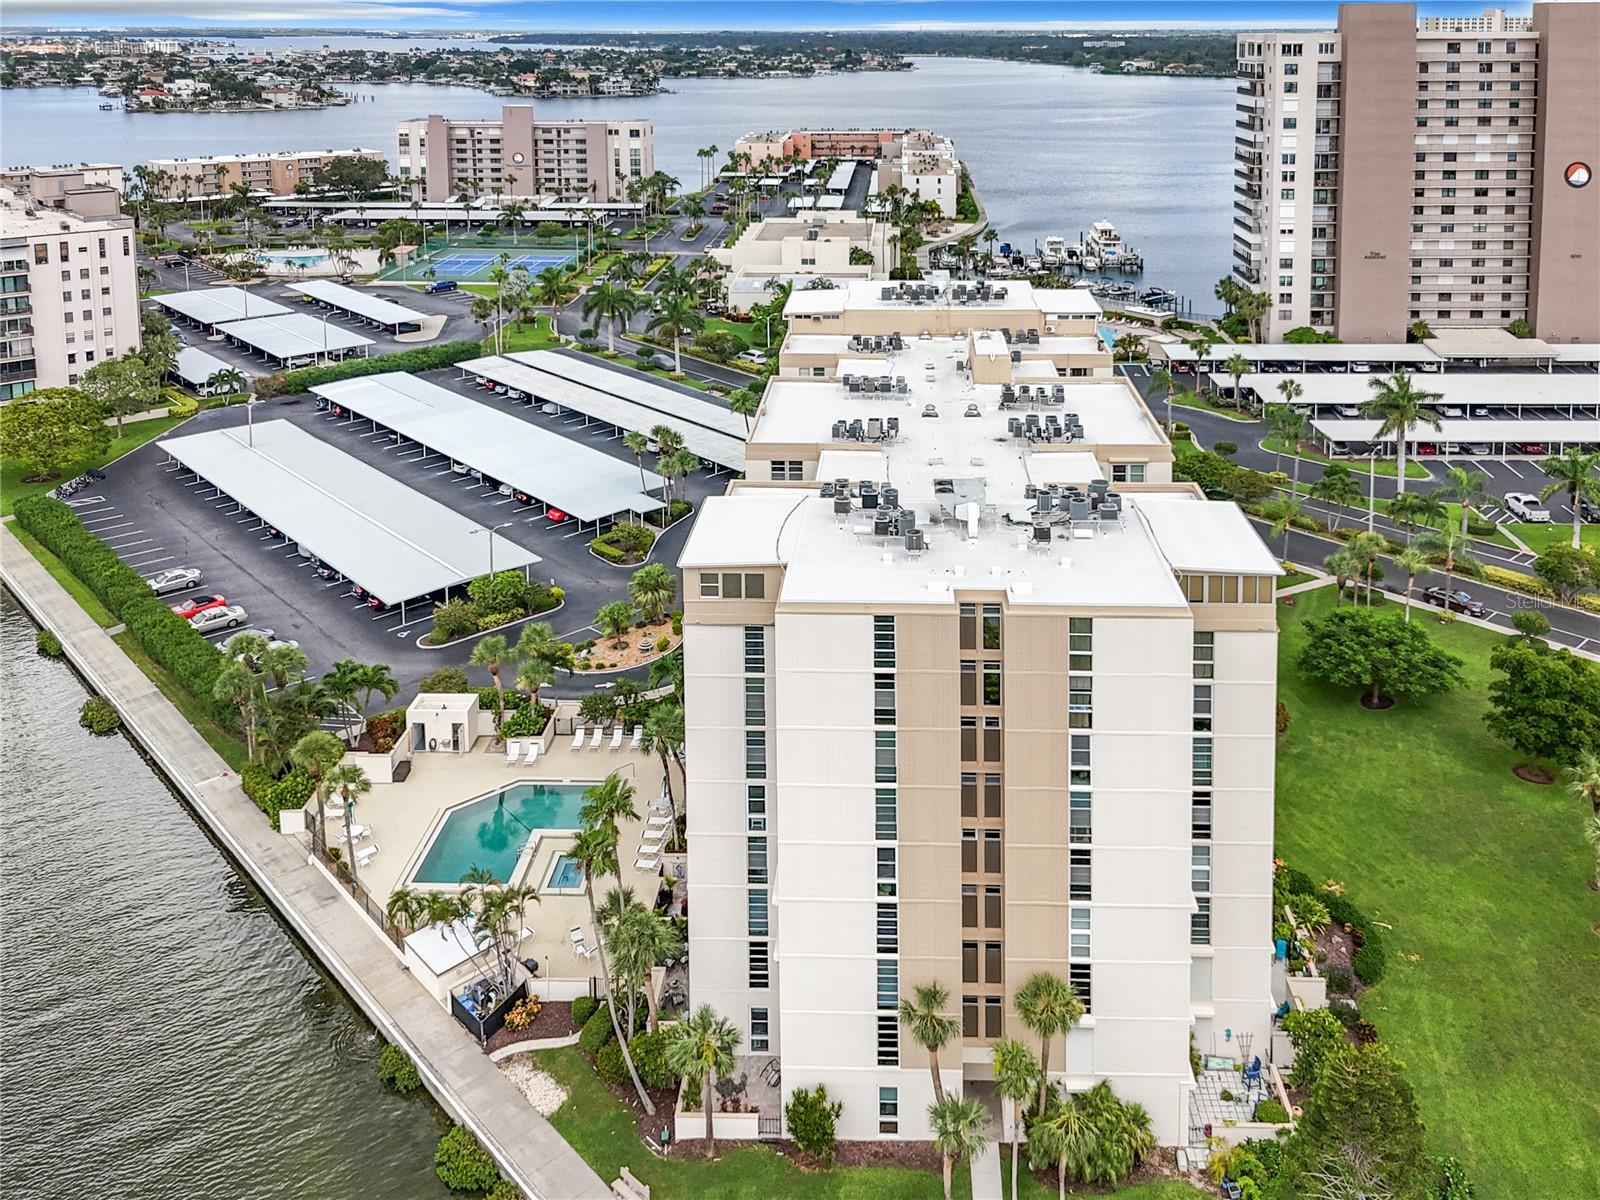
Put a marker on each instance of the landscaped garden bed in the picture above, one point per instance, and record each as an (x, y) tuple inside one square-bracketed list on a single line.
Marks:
[(554, 1020), (492, 602)]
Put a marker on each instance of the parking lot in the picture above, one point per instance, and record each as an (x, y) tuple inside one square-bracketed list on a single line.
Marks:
[(157, 516)]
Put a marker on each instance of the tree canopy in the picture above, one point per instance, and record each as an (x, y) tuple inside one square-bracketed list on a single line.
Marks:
[(53, 429), (1355, 647), (1546, 704)]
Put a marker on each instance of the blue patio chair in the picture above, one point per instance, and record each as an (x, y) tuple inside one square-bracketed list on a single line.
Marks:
[(1252, 1074)]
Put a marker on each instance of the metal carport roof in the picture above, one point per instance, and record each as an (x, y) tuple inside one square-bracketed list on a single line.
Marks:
[(391, 540), (195, 366), (213, 306), (578, 479), (293, 334), (362, 304)]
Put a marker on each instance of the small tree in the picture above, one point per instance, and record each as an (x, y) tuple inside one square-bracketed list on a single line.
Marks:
[(700, 1049), (1531, 626), (1360, 1099), (958, 1132), (813, 1121), (653, 588), (492, 654), (1353, 647), (1545, 703), (614, 620), (923, 1015), (52, 430), (1568, 570), (1315, 1034)]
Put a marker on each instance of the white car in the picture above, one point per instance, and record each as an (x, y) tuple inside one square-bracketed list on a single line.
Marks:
[(175, 579), (1348, 410), (755, 357), (228, 616), (1452, 412), (1527, 507)]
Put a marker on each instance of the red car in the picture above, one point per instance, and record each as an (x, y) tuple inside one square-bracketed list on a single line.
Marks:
[(195, 605), (556, 515)]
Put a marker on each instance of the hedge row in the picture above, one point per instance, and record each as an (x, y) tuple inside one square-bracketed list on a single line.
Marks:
[(424, 358), (165, 636)]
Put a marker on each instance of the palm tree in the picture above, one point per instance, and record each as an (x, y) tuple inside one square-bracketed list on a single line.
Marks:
[(483, 313), (1419, 331), (404, 909), (239, 688), (1465, 487), (990, 237), (1237, 366), (1281, 511), (639, 941), (539, 644), (746, 403), (1343, 566), (1578, 474), (342, 684), (1399, 406), (1016, 1077), (227, 381), (376, 677), (1063, 1136), (615, 305), (663, 737), (959, 1132), (1048, 1005), (700, 1048), (1583, 779), (1448, 547), (923, 1016), (491, 653), (677, 316), (653, 588), (350, 781), (1337, 489), (614, 619), (1413, 560), (317, 754), (1204, 342), (1365, 548), (678, 465), (638, 444), (1162, 380), (1228, 291)]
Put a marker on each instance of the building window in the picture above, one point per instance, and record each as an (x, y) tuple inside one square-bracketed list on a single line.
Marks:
[(888, 983), (1127, 472), (992, 747), (787, 470), (1079, 975), (993, 967), (992, 907), (1078, 942), (991, 627), (969, 1016), (969, 739), (883, 755), (969, 962), (1200, 922), (888, 929), (883, 643), (1200, 868), (1201, 762), (969, 794), (1080, 816), (760, 976), (883, 708), (755, 701), (888, 1110), (1080, 701), (710, 585), (888, 871), (1200, 814), (755, 754), (992, 801), (992, 684), (885, 819), (993, 1016), (1079, 759), (888, 1042), (755, 807), (755, 860), (757, 912), (760, 1031), (968, 616), (1080, 643), (1202, 707), (969, 682), (991, 852), (755, 650), (969, 850), (969, 906), (1205, 654)]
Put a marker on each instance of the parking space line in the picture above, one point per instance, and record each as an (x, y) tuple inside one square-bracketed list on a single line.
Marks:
[(114, 515), (108, 528), (1512, 469), (128, 558), (131, 545)]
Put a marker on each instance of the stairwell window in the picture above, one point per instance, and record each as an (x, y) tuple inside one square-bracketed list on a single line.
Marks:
[(756, 917), (755, 807), (1080, 816), (760, 975), (888, 983), (883, 699), (755, 754), (888, 929), (1205, 654), (888, 1041), (1200, 868), (1200, 922), (888, 871), (755, 650), (883, 756), (760, 1031), (1080, 643), (755, 860), (1078, 938), (883, 648), (1080, 976), (1080, 875), (885, 815), (1080, 702), (1201, 766), (888, 1110), (755, 701)]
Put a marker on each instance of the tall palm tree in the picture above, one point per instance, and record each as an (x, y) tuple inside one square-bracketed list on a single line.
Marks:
[(1048, 1005), (317, 754), (492, 654), (1204, 342), (1343, 566), (1292, 423), (1237, 367), (1413, 560), (653, 588), (1583, 779), (1338, 489), (550, 287), (376, 677), (1578, 475), (1467, 488), (1365, 547), (677, 465), (700, 1048), (640, 940), (1448, 547), (663, 737), (404, 909), (1016, 1077), (239, 688), (342, 683), (1281, 512), (615, 304), (1399, 406), (351, 782), (677, 316), (923, 1015), (959, 1132), (539, 644), (228, 381), (746, 403), (637, 444), (1162, 380)]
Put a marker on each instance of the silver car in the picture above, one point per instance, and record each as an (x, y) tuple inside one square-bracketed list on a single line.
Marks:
[(228, 616), (176, 579)]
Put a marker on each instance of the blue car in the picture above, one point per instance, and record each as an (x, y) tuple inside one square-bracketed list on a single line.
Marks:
[(442, 285)]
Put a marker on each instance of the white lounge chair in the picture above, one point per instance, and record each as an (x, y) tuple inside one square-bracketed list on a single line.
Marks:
[(658, 821), (646, 864), (366, 854), (599, 735), (576, 934), (533, 753), (616, 738), (513, 752), (577, 738), (638, 738)]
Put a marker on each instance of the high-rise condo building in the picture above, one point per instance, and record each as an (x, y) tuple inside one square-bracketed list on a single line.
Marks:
[(522, 156), (975, 691), (1387, 173)]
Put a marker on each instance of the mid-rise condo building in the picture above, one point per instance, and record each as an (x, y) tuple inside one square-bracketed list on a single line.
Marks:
[(279, 173), (520, 155), (975, 691), (922, 162), (1388, 173)]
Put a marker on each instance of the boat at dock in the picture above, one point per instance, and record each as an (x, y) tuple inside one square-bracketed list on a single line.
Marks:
[(1103, 248)]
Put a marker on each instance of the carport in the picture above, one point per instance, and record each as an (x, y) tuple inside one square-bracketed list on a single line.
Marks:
[(382, 536), (211, 307), (1314, 356), (353, 302), (1501, 436), (194, 368), (634, 405), (295, 335), (590, 486), (1479, 395)]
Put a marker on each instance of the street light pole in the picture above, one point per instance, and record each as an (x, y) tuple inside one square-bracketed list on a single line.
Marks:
[(491, 531), (1372, 489)]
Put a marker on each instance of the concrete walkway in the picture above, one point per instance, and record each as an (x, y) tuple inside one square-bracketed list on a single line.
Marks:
[(459, 1075), (986, 1166)]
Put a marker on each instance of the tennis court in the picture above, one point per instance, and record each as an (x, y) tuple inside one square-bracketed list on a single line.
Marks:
[(476, 264)]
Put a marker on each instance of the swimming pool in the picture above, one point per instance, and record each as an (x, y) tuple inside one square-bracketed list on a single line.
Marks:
[(307, 258), (566, 875), (491, 830)]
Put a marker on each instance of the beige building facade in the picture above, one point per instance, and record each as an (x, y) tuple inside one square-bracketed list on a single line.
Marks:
[(520, 155), (1388, 173), (922, 162), (278, 173)]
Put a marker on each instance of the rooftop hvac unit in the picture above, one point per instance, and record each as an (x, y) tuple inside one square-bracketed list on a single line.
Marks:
[(869, 495), (889, 498), (882, 524), (839, 431), (841, 506), (842, 486), (916, 541)]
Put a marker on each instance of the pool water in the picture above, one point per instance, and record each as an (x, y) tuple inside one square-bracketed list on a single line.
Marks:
[(492, 830), (566, 875), (1108, 335), (294, 260)]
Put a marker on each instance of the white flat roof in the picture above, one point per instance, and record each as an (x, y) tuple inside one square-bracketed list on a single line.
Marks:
[(1205, 537), (1486, 343), (1458, 388), (636, 388), (195, 366), (606, 402), (443, 948), (392, 540), (1315, 352), (294, 333), (1466, 430), (1577, 352), (213, 306), (565, 474), (354, 300), (869, 294)]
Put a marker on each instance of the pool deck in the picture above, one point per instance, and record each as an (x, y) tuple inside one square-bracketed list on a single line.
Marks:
[(402, 817)]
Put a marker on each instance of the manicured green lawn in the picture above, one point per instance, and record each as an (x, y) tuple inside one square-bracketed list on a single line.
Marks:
[(534, 335), (1493, 993), (1030, 1188), (1452, 509), (602, 1131), (1183, 447), (752, 333), (1293, 578), (79, 591), (1383, 466), (1158, 403), (1541, 537), (134, 435)]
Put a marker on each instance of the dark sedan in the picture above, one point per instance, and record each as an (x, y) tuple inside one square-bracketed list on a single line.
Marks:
[(1456, 601)]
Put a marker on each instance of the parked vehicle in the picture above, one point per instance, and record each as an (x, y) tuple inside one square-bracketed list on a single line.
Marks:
[(195, 605), (1478, 448), (1348, 410), (522, 497), (175, 579), (754, 356), (1532, 448), (229, 616), (1588, 510), (1451, 411), (1527, 507), (1453, 601), (556, 515), (662, 362), (1427, 448), (441, 285)]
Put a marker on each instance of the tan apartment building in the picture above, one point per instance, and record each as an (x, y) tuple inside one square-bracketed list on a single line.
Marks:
[(976, 691), (519, 155), (69, 294), (88, 189), (836, 245), (277, 174), (1388, 173), (922, 162)]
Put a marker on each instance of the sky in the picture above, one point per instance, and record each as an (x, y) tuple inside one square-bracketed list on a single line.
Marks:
[(676, 15)]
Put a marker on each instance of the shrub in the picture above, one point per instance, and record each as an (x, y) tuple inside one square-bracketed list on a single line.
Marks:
[(526, 721), (607, 551), (397, 1070), (582, 1009), (292, 791), (522, 1014), (649, 1052), (1370, 962), (462, 1165), (1450, 1180), (1340, 980), (454, 619), (493, 620), (1344, 1011), (384, 729), (597, 1031), (813, 1120), (504, 1189), (1316, 1034), (47, 644), (424, 358), (446, 679), (1226, 448), (1272, 1112), (609, 1066), (99, 716), (1226, 1094), (1283, 718), (183, 407)]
